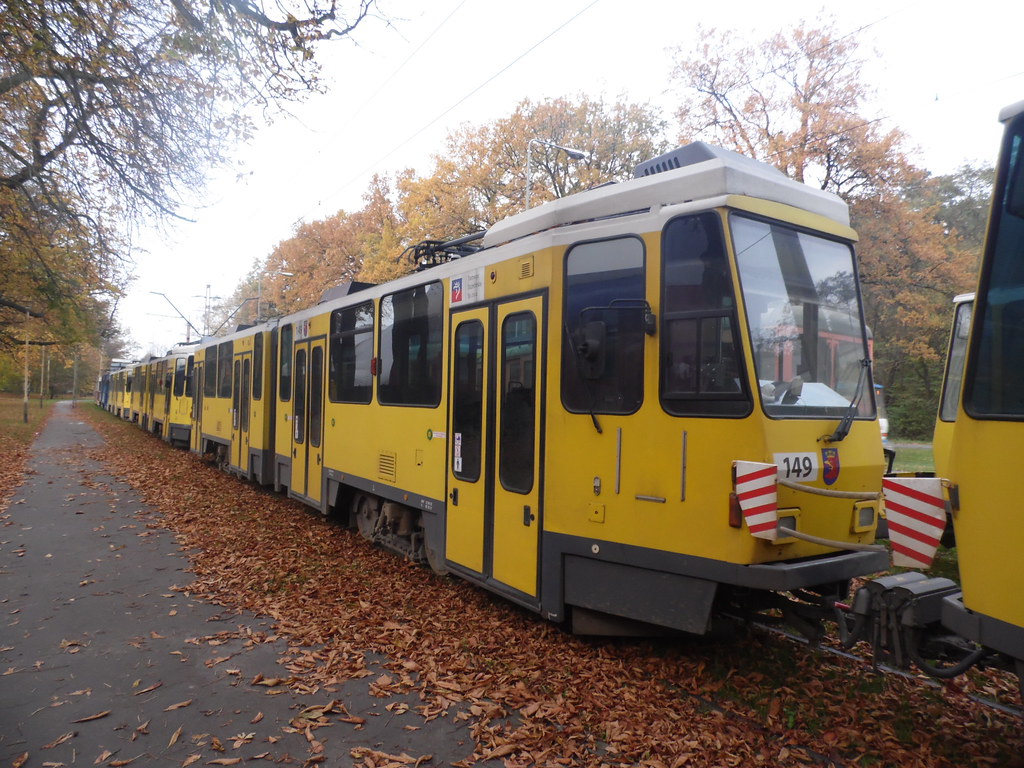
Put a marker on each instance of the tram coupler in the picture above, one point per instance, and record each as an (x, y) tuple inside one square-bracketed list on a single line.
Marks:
[(895, 614)]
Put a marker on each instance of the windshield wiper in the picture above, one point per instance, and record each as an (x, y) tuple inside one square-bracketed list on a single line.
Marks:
[(843, 428)]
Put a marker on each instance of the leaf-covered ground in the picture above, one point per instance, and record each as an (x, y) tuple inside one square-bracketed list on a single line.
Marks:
[(16, 437), (534, 695)]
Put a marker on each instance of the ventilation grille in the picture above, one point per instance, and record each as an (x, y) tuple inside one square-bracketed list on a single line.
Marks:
[(387, 466), (526, 268)]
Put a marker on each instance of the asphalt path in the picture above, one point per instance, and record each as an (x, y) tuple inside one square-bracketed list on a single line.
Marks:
[(105, 660)]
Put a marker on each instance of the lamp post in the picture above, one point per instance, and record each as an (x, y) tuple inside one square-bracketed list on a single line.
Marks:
[(259, 289), (574, 154)]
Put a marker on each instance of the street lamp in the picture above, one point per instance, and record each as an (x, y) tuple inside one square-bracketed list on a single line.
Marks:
[(259, 290), (574, 154)]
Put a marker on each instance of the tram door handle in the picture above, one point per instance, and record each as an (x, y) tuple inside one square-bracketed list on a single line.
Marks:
[(528, 516), (454, 496)]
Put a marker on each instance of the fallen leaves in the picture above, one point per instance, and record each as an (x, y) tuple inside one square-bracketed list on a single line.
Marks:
[(90, 718), (179, 705), (528, 693), (372, 758), (60, 740)]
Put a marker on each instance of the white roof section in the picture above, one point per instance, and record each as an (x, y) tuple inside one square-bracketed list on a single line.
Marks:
[(730, 174), (1010, 112)]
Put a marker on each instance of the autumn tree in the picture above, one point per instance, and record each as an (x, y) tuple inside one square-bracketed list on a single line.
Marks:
[(113, 112), (798, 100), (480, 178)]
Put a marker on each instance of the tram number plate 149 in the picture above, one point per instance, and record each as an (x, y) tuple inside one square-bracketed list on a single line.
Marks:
[(798, 467)]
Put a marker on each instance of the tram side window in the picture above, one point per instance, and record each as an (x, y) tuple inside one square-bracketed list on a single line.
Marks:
[(316, 395), (411, 339), (179, 376), (603, 341), (955, 363), (257, 367), (225, 357), (285, 380), (700, 348), (210, 373), (350, 377), (518, 403), (994, 387), (468, 401), (190, 376)]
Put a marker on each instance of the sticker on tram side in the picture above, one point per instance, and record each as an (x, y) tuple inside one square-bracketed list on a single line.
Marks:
[(467, 288), (798, 467)]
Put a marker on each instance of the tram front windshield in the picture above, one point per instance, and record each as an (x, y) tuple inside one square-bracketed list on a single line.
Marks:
[(803, 313)]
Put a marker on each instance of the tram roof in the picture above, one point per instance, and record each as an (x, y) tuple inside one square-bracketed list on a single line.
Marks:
[(1011, 111), (712, 172)]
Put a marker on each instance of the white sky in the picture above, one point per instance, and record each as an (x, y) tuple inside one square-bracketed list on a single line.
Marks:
[(942, 73)]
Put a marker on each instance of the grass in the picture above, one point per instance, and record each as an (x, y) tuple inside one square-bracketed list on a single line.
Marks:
[(913, 457), (13, 427), (16, 435), (917, 457)]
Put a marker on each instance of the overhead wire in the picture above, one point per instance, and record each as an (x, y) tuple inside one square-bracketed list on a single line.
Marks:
[(355, 177), (400, 67)]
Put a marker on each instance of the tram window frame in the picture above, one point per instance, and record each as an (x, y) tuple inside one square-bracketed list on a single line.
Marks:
[(409, 374), (316, 396), (284, 374), (468, 376), (611, 379), (798, 375), (179, 377), (210, 372), (346, 364), (699, 322), (225, 359), (956, 357), (236, 393), (301, 371), (257, 367), (245, 402), (517, 438), (993, 389)]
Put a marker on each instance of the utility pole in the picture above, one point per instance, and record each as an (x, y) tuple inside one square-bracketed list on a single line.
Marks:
[(27, 314), (42, 375)]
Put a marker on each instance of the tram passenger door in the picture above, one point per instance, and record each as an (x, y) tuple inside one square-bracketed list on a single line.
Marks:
[(494, 520), (241, 398), (467, 498), (196, 436), (307, 420)]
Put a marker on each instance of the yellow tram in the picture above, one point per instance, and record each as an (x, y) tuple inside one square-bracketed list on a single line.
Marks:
[(942, 627), (987, 428), (233, 402), (646, 402)]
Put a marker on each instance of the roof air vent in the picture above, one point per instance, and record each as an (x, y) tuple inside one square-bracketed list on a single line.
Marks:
[(691, 154)]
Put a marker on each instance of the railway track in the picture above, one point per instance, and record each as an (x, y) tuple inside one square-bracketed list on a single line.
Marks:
[(885, 668)]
